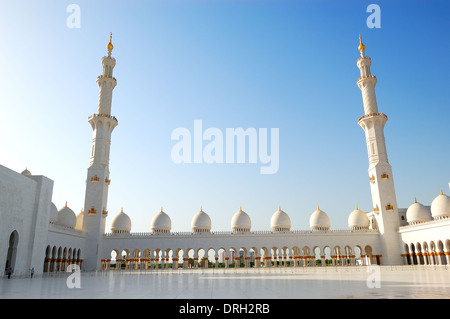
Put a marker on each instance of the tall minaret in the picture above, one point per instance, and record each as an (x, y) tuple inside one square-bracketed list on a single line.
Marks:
[(97, 182), (380, 171)]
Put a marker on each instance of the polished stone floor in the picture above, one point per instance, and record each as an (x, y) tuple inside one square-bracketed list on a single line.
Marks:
[(274, 283)]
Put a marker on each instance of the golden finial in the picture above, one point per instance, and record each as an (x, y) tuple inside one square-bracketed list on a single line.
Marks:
[(442, 192), (65, 206), (121, 209), (279, 208), (161, 210), (201, 208), (357, 207), (415, 200), (110, 46), (240, 208), (318, 208), (361, 47)]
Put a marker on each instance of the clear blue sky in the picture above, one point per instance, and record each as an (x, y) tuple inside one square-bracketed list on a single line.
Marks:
[(264, 64)]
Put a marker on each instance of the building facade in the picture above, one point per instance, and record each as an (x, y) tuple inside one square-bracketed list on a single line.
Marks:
[(35, 234)]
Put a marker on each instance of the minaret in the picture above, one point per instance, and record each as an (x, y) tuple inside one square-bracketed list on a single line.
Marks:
[(380, 171), (97, 182)]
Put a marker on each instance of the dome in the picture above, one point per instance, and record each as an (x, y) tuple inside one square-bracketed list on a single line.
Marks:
[(161, 223), (241, 222), (440, 206), (66, 217), (26, 172), (201, 222), (417, 213), (53, 212), (319, 220), (280, 221), (358, 220), (121, 223)]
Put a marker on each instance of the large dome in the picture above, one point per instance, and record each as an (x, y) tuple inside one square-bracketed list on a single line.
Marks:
[(358, 220), (121, 223), (440, 206), (319, 220), (280, 221), (201, 222), (241, 222), (161, 223), (66, 217), (417, 213)]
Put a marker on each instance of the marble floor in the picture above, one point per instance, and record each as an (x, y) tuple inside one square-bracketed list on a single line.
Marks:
[(404, 282)]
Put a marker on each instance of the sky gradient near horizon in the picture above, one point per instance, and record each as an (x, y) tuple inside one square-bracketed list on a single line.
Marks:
[(239, 63)]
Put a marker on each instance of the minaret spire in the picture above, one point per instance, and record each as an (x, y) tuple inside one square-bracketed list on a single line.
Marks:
[(380, 171), (97, 182)]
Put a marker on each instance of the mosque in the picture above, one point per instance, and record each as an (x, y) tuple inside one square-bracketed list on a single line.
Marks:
[(34, 233)]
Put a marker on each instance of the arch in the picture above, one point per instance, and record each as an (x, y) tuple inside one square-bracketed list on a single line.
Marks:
[(12, 250), (440, 253)]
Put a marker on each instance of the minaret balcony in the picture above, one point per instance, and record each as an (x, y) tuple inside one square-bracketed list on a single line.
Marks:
[(102, 115), (92, 211), (106, 76), (366, 77), (372, 114)]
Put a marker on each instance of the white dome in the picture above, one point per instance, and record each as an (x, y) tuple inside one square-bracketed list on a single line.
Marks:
[(241, 222), (201, 222), (440, 206), (319, 220), (66, 217), (121, 223), (417, 213), (161, 223), (358, 220), (280, 221), (53, 212)]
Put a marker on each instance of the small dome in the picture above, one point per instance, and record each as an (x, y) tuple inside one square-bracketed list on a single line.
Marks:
[(319, 220), (26, 172), (417, 213), (53, 212), (280, 221), (440, 206), (240, 222), (161, 223), (121, 223), (358, 220), (66, 217), (201, 222)]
